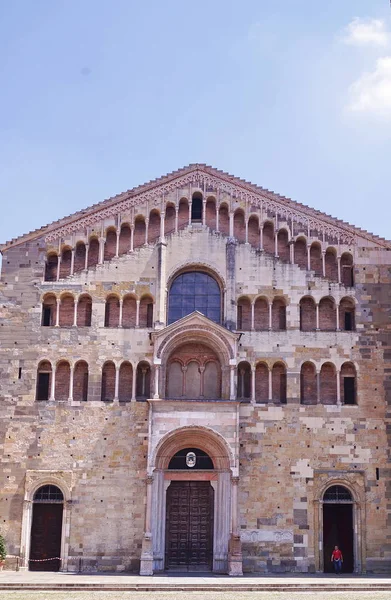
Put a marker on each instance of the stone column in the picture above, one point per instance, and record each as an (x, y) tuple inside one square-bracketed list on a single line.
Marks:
[(309, 257), (190, 205), (86, 259), (270, 316), (276, 244), (235, 546), (292, 253), (253, 384), (176, 218), (338, 373), (337, 316), (202, 371), (58, 267), (75, 312), (261, 237), (58, 301), (132, 237), (184, 369), (232, 382), (146, 563), (157, 371), (137, 313), (134, 374), (116, 388), (101, 250), (53, 384), (217, 218), (317, 316), (339, 268), (26, 535), (72, 370), (204, 212), (231, 224), (72, 261), (324, 263), (162, 221), (160, 316), (117, 244), (270, 385), (146, 230), (246, 240), (252, 316), (318, 387), (121, 303)]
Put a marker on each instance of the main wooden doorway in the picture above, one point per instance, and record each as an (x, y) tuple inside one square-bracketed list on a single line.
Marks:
[(189, 526), (45, 548)]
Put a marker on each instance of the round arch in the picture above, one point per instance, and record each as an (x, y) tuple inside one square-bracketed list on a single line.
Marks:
[(204, 438)]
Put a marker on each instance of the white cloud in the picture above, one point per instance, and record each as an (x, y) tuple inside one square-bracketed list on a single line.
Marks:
[(371, 93), (367, 32)]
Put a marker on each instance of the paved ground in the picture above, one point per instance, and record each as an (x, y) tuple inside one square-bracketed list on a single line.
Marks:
[(179, 595)]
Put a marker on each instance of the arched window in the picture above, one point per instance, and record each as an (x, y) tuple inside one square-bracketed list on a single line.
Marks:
[(316, 259), (331, 264), (253, 231), (244, 314), (49, 308), (307, 314), (192, 291), (278, 315), (108, 382), (183, 213), (279, 383), (223, 219), (337, 493), (93, 252), (112, 312), (347, 320), (80, 381), (51, 267), (308, 384), (110, 244), (169, 221), (67, 311), (84, 311), (347, 269), (328, 384), (191, 458), (300, 253), (153, 226), (283, 245), (244, 381), (124, 239), (129, 311), (143, 381), (210, 213), (146, 312), (139, 231), (269, 245), (239, 226), (125, 382), (80, 257), (261, 314), (44, 380), (62, 381), (327, 315), (66, 262), (262, 383), (48, 493), (196, 208)]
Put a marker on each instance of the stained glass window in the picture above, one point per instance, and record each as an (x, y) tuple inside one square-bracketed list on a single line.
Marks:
[(194, 291)]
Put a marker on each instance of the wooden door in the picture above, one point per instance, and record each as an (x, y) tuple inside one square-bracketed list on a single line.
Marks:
[(189, 526), (46, 537)]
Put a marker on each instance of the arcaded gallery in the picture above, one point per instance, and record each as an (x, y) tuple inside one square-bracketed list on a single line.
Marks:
[(196, 377)]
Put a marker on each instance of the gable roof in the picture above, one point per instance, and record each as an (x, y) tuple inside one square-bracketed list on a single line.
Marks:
[(207, 176)]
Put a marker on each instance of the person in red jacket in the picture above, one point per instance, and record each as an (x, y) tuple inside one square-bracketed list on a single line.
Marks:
[(337, 559)]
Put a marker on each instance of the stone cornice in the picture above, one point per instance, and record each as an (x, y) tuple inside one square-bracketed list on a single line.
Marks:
[(204, 177)]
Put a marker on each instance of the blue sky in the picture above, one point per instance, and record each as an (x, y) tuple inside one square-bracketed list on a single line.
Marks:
[(98, 97)]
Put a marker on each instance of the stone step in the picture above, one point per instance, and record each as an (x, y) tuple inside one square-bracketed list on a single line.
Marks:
[(197, 587)]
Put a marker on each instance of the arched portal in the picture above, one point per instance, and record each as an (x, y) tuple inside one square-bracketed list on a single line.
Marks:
[(194, 507), (338, 527), (189, 514), (46, 528)]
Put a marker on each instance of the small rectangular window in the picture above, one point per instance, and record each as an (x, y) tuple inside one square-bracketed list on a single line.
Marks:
[(349, 390), (107, 314), (43, 386), (149, 315), (46, 316), (20, 373)]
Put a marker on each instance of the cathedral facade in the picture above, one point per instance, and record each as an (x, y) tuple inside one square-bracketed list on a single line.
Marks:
[(196, 376)]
